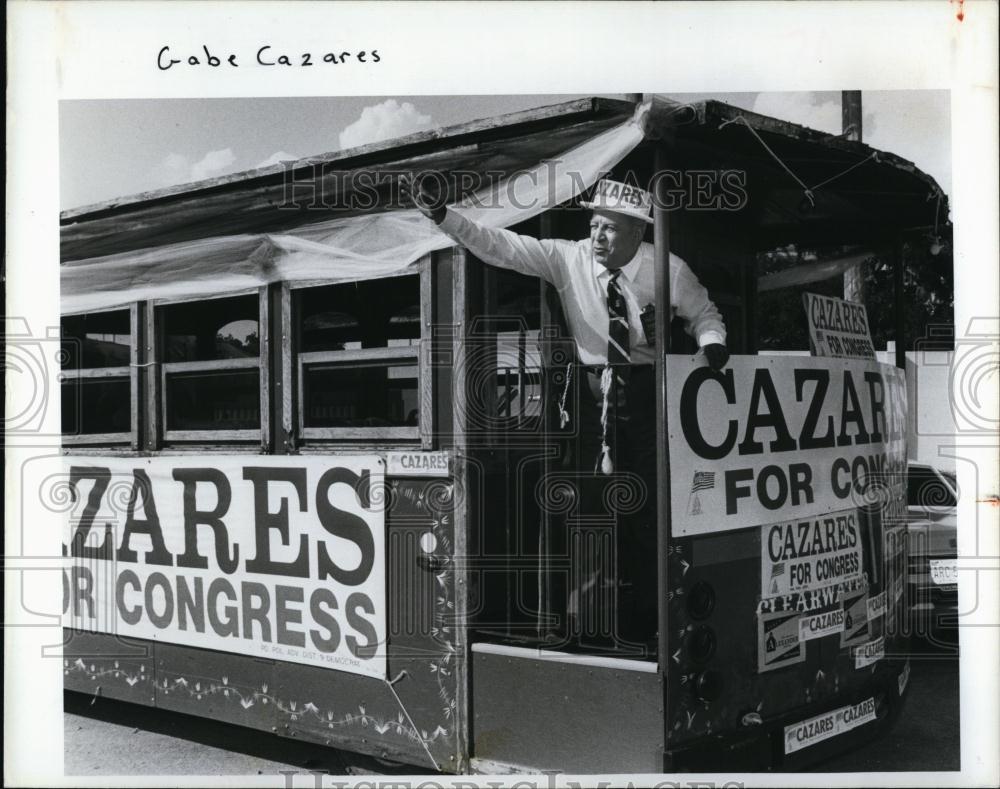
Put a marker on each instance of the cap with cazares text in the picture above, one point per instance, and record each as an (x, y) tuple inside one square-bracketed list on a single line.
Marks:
[(622, 199)]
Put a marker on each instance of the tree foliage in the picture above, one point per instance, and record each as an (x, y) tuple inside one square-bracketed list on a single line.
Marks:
[(928, 297)]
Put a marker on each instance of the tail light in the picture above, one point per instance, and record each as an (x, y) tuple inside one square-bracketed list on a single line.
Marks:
[(708, 685), (700, 644), (701, 600)]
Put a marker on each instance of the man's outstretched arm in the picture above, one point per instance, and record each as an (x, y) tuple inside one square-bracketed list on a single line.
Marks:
[(499, 247)]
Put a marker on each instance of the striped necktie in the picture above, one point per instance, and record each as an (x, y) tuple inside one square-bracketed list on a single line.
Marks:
[(616, 371), (619, 344)]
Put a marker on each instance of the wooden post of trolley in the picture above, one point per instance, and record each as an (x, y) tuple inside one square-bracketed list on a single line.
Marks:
[(850, 118), (899, 314), (661, 251)]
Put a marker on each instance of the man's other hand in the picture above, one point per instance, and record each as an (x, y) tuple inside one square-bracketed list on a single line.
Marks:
[(429, 206), (717, 355)]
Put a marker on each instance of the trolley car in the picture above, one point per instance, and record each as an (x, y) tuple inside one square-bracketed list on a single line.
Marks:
[(316, 473)]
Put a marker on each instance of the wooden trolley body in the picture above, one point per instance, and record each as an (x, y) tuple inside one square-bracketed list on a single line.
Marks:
[(467, 686)]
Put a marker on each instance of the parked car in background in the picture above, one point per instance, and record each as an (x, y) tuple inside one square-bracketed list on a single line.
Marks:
[(932, 534)]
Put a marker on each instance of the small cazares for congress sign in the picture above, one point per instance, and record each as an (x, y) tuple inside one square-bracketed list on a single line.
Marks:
[(838, 328), (281, 558), (780, 440)]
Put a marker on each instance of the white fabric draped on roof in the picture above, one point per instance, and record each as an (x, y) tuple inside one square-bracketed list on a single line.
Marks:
[(337, 250)]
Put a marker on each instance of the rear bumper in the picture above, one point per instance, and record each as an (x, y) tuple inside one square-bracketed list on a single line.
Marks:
[(933, 610), (762, 747)]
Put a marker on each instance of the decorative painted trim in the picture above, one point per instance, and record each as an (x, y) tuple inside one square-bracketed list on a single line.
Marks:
[(97, 669)]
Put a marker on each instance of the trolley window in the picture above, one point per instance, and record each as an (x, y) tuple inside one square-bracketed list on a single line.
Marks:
[(98, 377), (518, 372), (358, 365), (507, 393), (212, 371)]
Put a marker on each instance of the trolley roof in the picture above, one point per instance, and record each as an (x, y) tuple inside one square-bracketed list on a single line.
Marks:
[(868, 193)]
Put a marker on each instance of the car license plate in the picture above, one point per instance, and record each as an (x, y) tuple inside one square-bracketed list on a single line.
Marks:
[(944, 572)]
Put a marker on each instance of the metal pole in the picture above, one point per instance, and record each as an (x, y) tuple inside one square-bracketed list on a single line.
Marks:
[(661, 258)]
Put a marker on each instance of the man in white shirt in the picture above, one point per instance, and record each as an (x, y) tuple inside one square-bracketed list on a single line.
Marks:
[(581, 270), (606, 286)]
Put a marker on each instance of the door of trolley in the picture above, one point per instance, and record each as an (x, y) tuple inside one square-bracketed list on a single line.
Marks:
[(776, 559)]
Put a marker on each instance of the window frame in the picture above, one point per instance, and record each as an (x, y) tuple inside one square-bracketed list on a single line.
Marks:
[(280, 368), (523, 376), (421, 434), (485, 329), (261, 363), (131, 371)]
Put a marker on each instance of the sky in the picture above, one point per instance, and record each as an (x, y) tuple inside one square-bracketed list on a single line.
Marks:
[(114, 148)]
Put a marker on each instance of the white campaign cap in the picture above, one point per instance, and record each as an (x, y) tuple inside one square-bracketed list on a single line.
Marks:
[(622, 199)]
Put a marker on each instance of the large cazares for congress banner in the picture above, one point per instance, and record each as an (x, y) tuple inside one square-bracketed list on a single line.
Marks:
[(770, 440), (281, 558)]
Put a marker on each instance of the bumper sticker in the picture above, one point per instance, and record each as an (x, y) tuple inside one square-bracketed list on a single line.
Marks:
[(829, 724), (855, 618), (778, 643), (876, 606), (822, 624), (870, 652)]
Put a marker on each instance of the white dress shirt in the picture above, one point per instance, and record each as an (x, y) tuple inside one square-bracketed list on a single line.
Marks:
[(583, 286)]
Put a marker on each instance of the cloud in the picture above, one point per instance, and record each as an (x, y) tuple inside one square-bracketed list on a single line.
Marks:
[(384, 121), (806, 109), (914, 124), (213, 163), (276, 158), (177, 168)]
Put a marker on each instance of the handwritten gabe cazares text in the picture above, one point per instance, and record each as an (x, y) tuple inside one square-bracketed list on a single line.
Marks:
[(264, 55)]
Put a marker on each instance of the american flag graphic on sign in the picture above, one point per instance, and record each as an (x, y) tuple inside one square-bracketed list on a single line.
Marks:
[(777, 569), (703, 480)]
